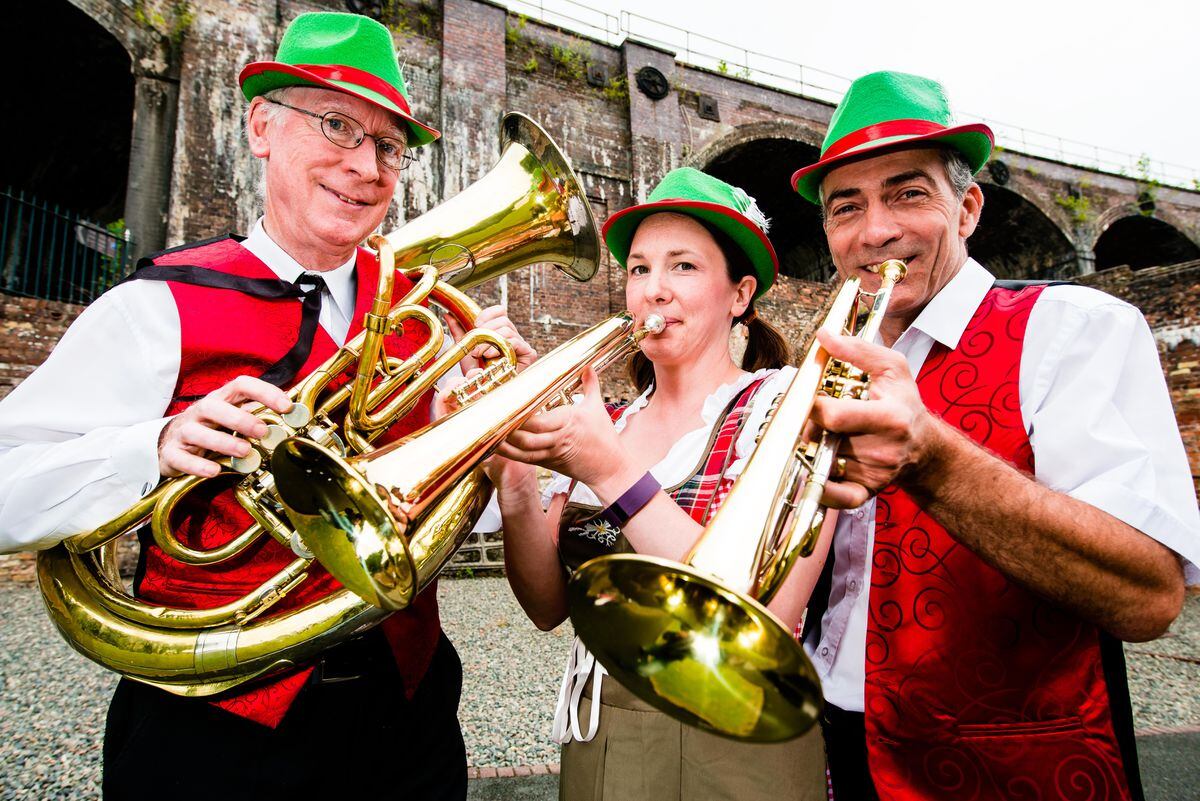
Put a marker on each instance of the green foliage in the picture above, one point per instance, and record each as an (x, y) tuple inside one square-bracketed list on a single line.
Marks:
[(1079, 207), (571, 59), (111, 268), (1148, 187), (531, 65), (724, 68), (1196, 184), (405, 20), (170, 20), (513, 33), (617, 90)]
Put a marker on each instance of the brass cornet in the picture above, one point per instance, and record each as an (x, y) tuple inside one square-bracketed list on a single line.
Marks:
[(528, 209), (695, 639)]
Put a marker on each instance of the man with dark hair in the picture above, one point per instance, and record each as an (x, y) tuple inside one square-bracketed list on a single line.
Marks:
[(1016, 498), (168, 361)]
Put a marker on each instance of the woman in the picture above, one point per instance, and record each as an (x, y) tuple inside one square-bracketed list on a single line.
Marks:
[(698, 255)]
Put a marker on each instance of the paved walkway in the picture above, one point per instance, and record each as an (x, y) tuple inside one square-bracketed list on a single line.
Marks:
[(52, 700)]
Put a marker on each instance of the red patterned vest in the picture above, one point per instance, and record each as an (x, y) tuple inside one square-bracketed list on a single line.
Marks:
[(977, 688), (224, 334)]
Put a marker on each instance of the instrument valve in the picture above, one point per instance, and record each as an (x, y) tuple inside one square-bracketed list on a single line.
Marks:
[(491, 377)]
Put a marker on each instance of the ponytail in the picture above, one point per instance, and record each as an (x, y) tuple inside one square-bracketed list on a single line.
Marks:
[(765, 346)]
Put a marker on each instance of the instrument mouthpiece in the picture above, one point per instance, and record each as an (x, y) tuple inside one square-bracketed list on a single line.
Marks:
[(654, 324), (894, 267)]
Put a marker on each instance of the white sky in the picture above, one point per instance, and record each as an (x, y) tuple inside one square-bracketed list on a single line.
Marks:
[(1119, 75)]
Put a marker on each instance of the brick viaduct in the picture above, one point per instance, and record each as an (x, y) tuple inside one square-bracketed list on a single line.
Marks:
[(468, 61)]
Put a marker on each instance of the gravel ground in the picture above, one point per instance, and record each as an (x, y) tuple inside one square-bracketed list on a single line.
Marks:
[(52, 700)]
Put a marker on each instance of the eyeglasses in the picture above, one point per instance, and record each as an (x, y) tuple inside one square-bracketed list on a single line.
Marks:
[(349, 133)]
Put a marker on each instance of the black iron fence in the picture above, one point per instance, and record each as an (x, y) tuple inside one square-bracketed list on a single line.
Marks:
[(50, 252)]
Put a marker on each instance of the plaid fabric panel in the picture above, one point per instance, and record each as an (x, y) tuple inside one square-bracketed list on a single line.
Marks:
[(702, 494)]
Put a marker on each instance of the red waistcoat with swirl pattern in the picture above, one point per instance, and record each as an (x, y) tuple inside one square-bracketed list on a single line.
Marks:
[(224, 334), (976, 688)]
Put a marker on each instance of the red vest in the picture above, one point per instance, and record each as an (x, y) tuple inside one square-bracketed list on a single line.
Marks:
[(976, 688), (224, 334)]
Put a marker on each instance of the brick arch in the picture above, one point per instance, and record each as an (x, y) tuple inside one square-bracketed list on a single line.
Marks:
[(744, 134), (1106, 218), (149, 50), (155, 61), (1143, 240), (1048, 209), (760, 158), (1017, 238)]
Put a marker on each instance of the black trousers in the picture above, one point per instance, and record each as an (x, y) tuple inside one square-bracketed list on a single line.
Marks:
[(846, 753), (351, 733)]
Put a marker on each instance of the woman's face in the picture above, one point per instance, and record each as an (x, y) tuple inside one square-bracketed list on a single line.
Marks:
[(676, 270)]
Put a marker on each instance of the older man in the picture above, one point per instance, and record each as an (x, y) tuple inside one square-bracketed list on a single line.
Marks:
[(1012, 513), (149, 382)]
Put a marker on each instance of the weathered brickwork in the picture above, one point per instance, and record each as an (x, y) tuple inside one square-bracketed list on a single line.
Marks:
[(1169, 297), (467, 62), (29, 329)]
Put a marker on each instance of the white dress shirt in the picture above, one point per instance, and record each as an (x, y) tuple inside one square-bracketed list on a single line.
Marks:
[(1099, 418), (79, 436)]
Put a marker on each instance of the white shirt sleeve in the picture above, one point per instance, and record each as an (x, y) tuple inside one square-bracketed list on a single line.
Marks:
[(79, 436), (1100, 420)]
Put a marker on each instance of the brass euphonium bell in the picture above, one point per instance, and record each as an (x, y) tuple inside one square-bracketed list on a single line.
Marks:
[(695, 639), (528, 209)]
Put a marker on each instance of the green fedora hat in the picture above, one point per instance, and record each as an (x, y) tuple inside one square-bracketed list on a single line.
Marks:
[(345, 52), (885, 109), (710, 200)]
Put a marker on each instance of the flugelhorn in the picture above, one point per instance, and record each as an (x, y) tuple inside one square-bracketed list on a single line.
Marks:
[(695, 639), (386, 522), (529, 208)]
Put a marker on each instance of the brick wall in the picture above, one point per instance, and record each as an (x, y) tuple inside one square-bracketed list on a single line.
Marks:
[(29, 329), (1169, 297)]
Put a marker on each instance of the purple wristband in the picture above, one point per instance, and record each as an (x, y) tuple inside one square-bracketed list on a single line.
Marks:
[(631, 501)]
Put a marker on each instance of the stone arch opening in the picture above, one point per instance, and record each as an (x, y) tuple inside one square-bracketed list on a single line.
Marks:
[(1016, 240), (78, 106), (1140, 242), (763, 167)]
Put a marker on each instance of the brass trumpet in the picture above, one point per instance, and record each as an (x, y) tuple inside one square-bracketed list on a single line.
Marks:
[(529, 208), (695, 639)]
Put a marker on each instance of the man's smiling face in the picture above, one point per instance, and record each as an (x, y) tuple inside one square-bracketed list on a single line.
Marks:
[(322, 198), (899, 205)]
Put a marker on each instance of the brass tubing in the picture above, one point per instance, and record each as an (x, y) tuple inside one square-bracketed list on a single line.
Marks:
[(245, 608), (160, 527), (530, 208)]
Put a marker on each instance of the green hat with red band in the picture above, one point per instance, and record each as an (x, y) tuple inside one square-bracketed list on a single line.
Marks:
[(885, 109), (709, 200), (345, 52)]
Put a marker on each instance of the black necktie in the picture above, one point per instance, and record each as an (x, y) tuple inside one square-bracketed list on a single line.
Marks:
[(307, 287)]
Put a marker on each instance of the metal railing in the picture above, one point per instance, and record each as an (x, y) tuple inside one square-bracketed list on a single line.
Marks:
[(53, 253), (792, 76)]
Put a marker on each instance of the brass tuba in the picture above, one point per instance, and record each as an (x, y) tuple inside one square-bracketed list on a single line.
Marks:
[(529, 208), (696, 640)]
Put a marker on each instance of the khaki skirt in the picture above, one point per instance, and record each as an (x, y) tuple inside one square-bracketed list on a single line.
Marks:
[(640, 754)]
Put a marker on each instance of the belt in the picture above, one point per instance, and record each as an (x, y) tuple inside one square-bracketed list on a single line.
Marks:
[(356, 658)]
